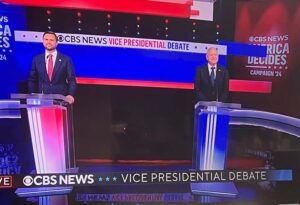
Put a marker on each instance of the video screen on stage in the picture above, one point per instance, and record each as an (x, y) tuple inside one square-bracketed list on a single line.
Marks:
[(134, 132)]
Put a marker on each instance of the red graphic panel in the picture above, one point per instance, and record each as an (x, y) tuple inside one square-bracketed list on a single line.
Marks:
[(275, 24), (172, 8), (234, 85), (270, 23)]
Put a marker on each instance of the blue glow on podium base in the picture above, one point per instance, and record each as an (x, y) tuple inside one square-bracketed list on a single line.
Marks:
[(210, 149), (43, 191), (46, 191), (215, 189)]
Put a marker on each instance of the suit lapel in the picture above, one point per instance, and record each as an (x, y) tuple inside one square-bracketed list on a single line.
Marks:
[(206, 75), (219, 75), (43, 67), (56, 65)]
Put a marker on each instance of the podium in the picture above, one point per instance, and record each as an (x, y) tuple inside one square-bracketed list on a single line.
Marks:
[(51, 130), (211, 124)]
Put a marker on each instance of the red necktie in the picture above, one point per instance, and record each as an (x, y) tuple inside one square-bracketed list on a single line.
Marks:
[(50, 66)]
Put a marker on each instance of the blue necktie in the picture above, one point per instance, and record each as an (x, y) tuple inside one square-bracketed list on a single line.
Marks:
[(212, 76)]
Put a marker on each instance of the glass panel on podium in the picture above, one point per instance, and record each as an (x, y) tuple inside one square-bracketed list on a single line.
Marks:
[(51, 132), (10, 129), (211, 124)]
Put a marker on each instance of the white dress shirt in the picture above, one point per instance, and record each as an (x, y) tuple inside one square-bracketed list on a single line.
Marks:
[(54, 55), (210, 70)]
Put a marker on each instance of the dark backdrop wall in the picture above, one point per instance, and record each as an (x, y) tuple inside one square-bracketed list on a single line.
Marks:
[(119, 122)]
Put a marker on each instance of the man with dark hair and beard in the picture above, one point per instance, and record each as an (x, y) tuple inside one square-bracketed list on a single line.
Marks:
[(52, 72)]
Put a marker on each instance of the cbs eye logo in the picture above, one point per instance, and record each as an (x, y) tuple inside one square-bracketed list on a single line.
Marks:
[(28, 181), (60, 38)]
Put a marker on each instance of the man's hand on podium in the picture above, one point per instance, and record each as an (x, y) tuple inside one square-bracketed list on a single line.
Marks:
[(70, 99)]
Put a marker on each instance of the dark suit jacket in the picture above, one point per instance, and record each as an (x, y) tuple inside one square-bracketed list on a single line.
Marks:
[(203, 88), (63, 78)]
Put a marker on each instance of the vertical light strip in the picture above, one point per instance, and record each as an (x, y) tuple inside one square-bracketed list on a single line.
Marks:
[(48, 202), (38, 134), (60, 137), (206, 142), (67, 140), (44, 200), (210, 109), (214, 127), (34, 141), (42, 143)]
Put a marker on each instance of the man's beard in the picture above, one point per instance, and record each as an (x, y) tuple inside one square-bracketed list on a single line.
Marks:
[(50, 49)]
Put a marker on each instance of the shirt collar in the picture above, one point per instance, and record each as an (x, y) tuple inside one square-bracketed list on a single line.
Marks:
[(210, 66), (54, 53)]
